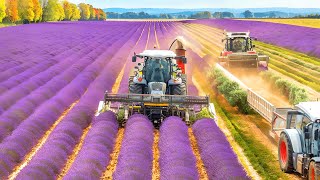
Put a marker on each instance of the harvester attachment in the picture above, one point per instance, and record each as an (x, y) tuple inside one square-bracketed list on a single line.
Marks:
[(156, 107)]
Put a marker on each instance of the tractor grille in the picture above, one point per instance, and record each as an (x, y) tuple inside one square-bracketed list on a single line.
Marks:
[(157, 86)]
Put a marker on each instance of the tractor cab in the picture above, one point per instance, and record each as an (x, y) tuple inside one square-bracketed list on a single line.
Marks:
[(158, 74), (238, 42)]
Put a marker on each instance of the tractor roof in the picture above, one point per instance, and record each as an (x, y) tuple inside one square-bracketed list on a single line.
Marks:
[(312, 109), (158, 53), (237, 34)]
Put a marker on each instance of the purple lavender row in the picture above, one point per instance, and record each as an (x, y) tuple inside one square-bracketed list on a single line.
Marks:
[(68, 58), (11, 118), (177, 160), (11, 96), (218, 157), (78, 118), (135, 158), (94, 155), (290, 35), (14, 94), (28, 133), (33, 38), (68, 79), (26, 56), (20, 78), (44, 44)]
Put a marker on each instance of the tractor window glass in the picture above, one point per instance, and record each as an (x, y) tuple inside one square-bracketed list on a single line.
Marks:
[(239, 45), (292, 121), (305, 121), (157, 70), (298, 121)]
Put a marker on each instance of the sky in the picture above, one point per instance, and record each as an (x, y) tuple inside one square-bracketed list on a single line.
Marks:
[(189, 4)]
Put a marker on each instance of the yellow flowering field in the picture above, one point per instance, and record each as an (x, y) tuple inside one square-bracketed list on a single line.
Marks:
[(314, 23)]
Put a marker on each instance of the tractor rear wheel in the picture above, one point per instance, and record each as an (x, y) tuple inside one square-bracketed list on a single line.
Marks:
[(285, 153), (134, 88), (314, 169)]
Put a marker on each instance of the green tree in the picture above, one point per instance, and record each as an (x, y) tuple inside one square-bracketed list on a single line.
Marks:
[(202, 15), (60, 12), (37, 10), (53, 11), (84, 11), (25, 9), (76, 15), (248, 14), (2, 10), (67, 10), (92, 12), (163, 16)]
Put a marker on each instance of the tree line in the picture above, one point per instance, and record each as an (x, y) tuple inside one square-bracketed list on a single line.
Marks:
[(316, 16), (143, 15), (25, 11)]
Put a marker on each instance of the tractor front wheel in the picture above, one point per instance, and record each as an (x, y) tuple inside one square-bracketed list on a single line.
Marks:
[(134, 88), (180, 89), (313, 173), (285, 153)]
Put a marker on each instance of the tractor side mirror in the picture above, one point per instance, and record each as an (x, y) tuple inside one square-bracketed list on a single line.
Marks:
[(134, 58), (184, 60)]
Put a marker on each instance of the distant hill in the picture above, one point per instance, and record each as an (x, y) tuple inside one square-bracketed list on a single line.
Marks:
[(279, 12)]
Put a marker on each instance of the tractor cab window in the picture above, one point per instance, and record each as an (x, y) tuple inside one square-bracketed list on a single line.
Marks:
[(300, 121), (239, 45), (157, 70), (305, 121)]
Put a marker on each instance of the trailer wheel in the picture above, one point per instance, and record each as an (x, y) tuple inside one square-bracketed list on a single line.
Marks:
[(313, 171), (285, 153), (134, 88)]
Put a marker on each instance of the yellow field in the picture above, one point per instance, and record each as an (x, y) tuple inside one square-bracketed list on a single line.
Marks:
[(314, 23)]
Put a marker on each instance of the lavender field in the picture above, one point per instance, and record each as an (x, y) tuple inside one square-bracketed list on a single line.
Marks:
[(53, 76)]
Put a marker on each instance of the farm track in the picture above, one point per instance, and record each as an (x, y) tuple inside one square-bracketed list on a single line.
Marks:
[(156, 156), (150, 35), (74, 154), (200, 166), (114, 156)]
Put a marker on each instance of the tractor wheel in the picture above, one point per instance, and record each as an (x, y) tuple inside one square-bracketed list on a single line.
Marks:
[(314, 169), (285, 153), (134, 88), (180, 89)]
